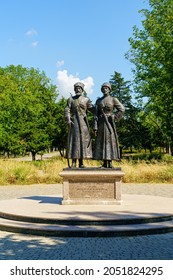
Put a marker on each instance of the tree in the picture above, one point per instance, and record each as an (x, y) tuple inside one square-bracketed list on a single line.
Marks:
[(129, 127), (10, 108), (152, 54), (60, 132), (27, 104)]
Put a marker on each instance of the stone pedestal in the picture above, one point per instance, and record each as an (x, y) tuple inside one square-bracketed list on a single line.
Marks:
[(92, 186)]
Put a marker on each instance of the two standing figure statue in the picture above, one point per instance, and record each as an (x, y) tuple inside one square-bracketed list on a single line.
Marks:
[(107, 110)]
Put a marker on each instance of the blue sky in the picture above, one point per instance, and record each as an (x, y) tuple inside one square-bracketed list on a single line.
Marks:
[(70, 40)]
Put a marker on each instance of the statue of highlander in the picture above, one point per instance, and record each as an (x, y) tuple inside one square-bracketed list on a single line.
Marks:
[(108, 110), (79, 145)]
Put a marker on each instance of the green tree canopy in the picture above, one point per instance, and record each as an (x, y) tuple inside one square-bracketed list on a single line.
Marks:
[(27, 105), (60, 132), (129, 128), (152, 54)]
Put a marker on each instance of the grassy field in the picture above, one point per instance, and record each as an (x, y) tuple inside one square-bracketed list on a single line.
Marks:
[(47, 171)]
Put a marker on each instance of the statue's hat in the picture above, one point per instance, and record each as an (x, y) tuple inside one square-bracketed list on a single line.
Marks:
[(79, 84), (106, 85)]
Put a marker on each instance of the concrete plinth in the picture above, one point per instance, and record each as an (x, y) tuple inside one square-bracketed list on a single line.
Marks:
[(92, 186)]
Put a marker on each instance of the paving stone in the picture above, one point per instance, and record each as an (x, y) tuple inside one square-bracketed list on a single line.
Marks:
[(25, 247)]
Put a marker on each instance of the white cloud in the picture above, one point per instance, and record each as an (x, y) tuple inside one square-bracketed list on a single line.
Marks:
[(31, 32), (60, 63), (34, 44), (65, 83)]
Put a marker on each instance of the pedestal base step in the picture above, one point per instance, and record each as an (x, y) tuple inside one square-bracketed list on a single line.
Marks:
[(44, 215), (85, 231)]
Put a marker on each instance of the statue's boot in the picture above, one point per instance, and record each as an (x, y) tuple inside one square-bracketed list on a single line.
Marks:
[(109, 163), (81, 165), (104, 164)]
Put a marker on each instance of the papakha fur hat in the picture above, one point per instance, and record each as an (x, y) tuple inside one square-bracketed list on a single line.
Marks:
[(79, 84), (106, 85)]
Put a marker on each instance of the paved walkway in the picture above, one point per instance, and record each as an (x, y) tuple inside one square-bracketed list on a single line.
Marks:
[(15, 246)]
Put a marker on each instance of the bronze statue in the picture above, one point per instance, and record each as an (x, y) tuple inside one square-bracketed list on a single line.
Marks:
[(108, 109), (79, 140)]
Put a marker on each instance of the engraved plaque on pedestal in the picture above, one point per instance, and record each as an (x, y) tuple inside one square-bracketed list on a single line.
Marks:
[(91, 186)]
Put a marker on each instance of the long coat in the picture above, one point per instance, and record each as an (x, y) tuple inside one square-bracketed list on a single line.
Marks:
[(79, 140), (108, 110)]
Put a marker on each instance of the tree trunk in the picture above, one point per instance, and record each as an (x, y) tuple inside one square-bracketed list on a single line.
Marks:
[(33, 154), (168, 149)]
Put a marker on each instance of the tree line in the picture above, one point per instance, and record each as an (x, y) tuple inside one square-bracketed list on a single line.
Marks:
[(151, 53), (32, 117)]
